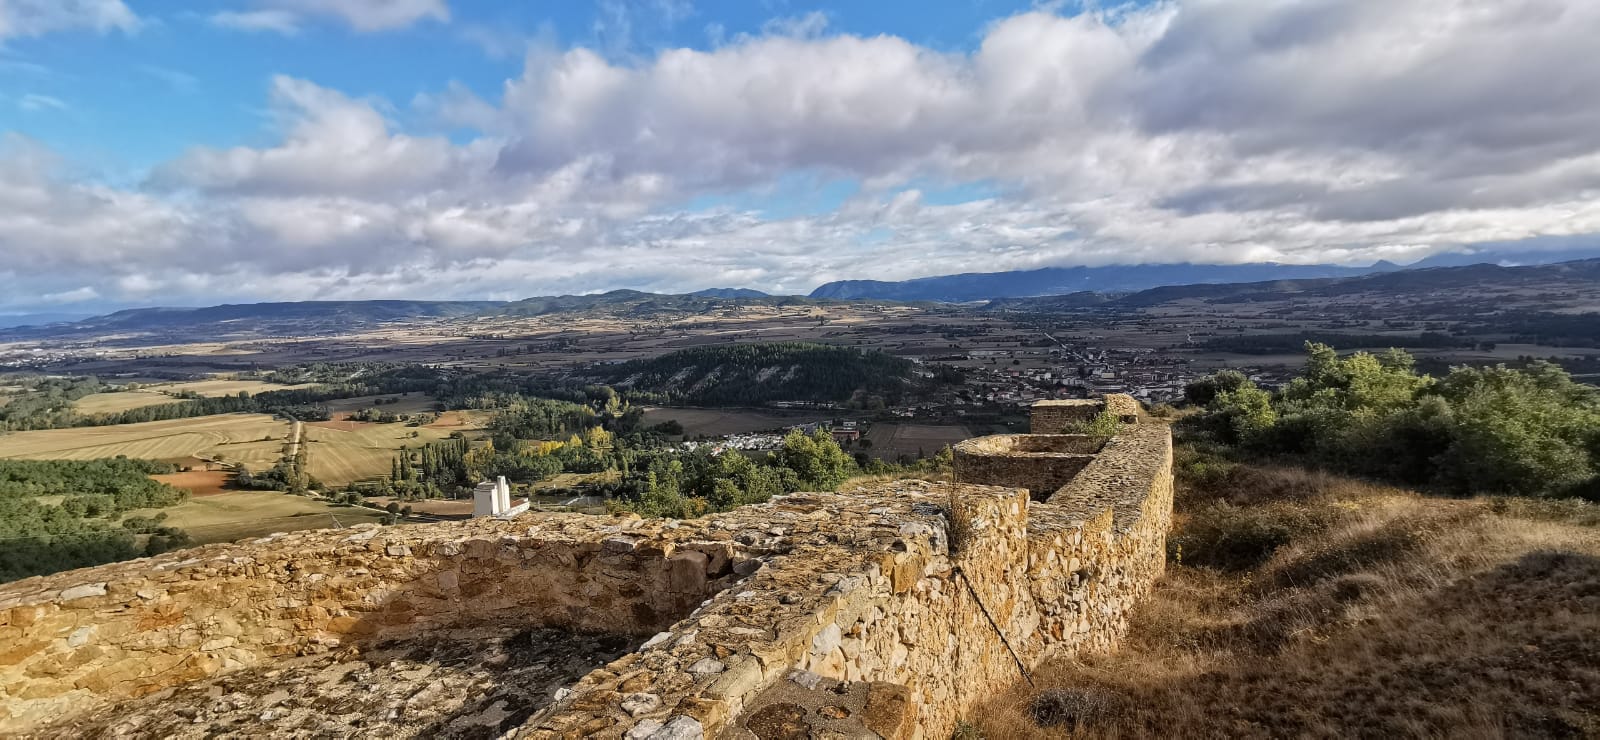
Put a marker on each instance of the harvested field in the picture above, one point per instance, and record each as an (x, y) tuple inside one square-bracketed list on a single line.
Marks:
[(235, 515), (111, 403), (460, 421), (354, 451), (198, 482), (256, 440), (890, 441), (409, 403), (719, 422)]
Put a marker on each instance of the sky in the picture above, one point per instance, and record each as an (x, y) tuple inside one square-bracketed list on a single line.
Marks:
[(190, 152)]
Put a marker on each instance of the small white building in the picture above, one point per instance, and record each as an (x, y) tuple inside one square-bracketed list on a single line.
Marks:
[(494, 499)]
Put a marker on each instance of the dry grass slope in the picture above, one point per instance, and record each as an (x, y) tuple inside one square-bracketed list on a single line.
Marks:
[(1307, 605)]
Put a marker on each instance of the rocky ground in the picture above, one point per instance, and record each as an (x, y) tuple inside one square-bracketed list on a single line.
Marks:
[(475, 684)]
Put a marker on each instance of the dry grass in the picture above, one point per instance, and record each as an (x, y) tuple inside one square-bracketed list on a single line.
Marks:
[(1308, 605)]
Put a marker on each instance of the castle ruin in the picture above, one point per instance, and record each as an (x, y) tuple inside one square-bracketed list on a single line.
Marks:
[(888, 612)]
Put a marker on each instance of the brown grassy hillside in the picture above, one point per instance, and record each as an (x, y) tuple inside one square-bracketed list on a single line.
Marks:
[(1305, 605)]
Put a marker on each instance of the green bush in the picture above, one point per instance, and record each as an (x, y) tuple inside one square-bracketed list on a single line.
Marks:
[(1530, 432)]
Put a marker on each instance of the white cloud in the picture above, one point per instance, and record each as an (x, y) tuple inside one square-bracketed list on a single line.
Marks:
[(1205, 130), (34, 102), (276, 21), (39, 17), (287, 16), (333, 144)]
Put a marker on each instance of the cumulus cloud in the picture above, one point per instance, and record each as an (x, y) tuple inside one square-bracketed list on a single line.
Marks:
[(39, 17), (287, 16), (1202, 130)]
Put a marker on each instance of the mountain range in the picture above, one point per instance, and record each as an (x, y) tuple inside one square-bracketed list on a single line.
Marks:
[(1057, 281), (1065, 287)]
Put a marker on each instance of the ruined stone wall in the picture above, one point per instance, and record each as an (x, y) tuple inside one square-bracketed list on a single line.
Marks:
[(926, 597), (74, 639), (1056, 417), (1040, 463), (951, 593)]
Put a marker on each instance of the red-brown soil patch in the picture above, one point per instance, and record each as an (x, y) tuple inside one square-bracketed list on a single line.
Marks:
[(198, 482)]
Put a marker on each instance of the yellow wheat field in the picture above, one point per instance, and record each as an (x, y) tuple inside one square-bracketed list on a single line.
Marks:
[(350, 452), (256, 440)]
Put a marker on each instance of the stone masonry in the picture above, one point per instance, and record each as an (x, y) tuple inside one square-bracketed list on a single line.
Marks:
[(884, 613)]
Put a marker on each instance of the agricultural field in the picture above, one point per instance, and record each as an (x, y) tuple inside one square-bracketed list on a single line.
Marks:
[(256, 440), (890, 441), (410, 403), (198, 482), (719, 422), (119, 401), (236, 515), (343, 452)]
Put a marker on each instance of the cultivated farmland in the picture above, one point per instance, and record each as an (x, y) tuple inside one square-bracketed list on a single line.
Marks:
[(345, 452), (235, 515), (119, 401), (256, 440), (890, 441)]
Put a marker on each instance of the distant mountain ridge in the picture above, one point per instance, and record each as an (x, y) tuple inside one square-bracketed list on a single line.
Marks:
[(255, 318), (979, 286), (1061, 281), (1454, 280)]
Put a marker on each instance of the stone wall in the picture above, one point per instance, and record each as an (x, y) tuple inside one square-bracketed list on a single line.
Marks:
[(1055, 417), (73, 639), (895, 609), (1040, 463)]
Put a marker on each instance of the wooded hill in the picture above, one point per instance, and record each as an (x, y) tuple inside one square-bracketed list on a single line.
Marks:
[(752, 374)]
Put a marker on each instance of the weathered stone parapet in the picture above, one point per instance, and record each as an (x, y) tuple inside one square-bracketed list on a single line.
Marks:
[(1056, 417), (1040, 463)]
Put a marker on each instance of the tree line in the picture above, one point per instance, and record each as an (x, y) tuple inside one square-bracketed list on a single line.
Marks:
[(753, 374), (1490, 430)]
